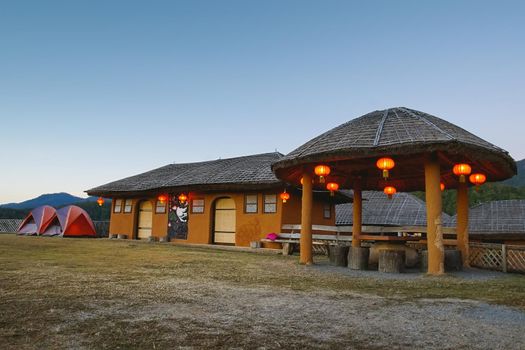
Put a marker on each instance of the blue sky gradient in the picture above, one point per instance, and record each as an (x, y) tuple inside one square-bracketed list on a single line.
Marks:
[(93, 91)]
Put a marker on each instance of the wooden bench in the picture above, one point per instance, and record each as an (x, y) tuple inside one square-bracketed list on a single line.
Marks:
[(388, 238), (290, 240)]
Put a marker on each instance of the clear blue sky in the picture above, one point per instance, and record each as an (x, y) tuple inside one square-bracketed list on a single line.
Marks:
[(93, 91)]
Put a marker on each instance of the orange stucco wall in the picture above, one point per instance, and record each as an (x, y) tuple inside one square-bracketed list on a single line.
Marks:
[(292, 213), (249, 226), (123, 223), (126, 223)]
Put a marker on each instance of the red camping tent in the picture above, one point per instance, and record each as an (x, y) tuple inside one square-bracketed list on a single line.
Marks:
[(75, 222), (38, 221)]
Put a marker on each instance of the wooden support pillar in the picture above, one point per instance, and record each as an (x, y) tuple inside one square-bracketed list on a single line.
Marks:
[(436, 251), (358, 214), (462, 222), (306, 221)]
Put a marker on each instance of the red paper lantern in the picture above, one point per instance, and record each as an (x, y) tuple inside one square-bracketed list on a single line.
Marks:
[(332, 187), (183, 198), (285, 196), (100, 201), (390, 191), (462, 170), (442, 186), (478, 179), (385, 164), (322, 171)]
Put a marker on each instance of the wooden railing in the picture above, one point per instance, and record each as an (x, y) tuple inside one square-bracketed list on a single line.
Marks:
[(9, 225), (499, 257)]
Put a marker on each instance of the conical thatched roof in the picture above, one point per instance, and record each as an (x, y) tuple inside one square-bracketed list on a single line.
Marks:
[(404, 209), (405, 134), (497, 218)]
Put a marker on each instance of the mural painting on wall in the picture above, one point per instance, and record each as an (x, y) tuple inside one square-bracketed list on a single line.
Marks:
[(178, 218)]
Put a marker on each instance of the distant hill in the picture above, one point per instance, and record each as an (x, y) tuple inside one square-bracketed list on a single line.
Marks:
[(90, 205), (518, 180), (53, 199), (8, 213)]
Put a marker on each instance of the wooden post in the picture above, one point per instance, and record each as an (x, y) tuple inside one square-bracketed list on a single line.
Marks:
[(358, 214), (462, 222), (436, 251), (306, 221), (504, 258)]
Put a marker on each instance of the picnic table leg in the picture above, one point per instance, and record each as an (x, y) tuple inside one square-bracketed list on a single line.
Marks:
[(286, 248)]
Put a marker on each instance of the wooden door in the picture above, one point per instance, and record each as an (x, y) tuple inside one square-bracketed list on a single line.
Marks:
[(145, 220), (224, 227)]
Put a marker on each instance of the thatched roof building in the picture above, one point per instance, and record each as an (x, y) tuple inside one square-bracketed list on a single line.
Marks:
[(497, 220), (404, 209), (405, 134), (249, 172)]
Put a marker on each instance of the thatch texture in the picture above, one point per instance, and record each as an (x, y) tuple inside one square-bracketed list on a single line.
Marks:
[(403, 209), (405, 134), (248, 172), (497, 218)]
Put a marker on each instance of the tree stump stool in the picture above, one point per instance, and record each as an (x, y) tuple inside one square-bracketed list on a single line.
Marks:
[(358, 258), (121, 236), (391, 261), (423, 265), (453, 261), (338, 255)]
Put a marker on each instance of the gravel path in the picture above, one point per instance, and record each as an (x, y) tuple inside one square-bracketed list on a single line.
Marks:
[(220, 315)]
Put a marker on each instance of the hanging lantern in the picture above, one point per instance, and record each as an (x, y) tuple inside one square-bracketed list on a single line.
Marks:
[(332, 187), (183, 198), (390, 191), (478, 179), (285, 196), (442, 186), (385, 164), (462, 170), (100, 201), (322, 171), (162, 198)]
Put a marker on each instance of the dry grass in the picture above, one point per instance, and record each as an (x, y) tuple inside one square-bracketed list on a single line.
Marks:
[(80, 293)]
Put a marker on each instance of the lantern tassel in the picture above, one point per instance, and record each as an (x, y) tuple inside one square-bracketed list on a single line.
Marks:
[(385, 174)]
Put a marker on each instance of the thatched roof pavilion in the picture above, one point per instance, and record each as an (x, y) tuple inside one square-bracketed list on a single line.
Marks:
[(425, 149), (406, 133), (404, 209), (497, 220)]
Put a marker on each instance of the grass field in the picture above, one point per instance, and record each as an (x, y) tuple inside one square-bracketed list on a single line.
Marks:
[(81, 293)]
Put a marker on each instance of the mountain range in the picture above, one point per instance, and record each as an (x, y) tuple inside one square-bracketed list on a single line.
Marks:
[(518, 180), (53, 199)]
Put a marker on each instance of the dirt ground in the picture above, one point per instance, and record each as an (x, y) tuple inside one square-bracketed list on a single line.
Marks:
[(92, 294)]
